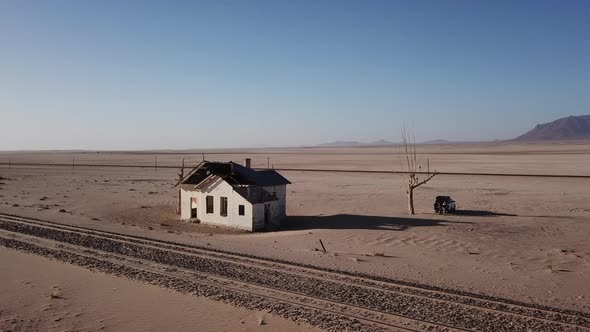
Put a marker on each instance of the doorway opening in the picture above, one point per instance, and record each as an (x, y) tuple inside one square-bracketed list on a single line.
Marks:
[(266, 216), (193, 207)]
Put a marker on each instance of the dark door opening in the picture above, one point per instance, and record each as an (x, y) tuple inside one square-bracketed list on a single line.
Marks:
[(266, 216), (193, 207)]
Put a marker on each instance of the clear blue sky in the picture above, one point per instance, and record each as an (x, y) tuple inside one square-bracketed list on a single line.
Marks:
[(198, 74)]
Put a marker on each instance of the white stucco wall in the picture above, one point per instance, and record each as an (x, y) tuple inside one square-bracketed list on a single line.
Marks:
[(218, 188), (253, 218), (185, 201)]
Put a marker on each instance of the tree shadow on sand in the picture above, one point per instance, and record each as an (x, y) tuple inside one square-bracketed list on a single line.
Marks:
[(482, 213), (348, 221)]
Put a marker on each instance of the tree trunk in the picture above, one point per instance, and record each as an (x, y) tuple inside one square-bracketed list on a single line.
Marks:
[(411, 200)]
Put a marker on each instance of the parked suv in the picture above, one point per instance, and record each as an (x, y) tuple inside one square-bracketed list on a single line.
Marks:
[(444, 204)]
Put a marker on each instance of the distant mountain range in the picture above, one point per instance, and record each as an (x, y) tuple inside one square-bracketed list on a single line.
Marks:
[(355, 143), (380, 142), (569, 128)]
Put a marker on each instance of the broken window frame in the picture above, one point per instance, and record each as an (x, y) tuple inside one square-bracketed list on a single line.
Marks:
[(210, 204), (223, 206)]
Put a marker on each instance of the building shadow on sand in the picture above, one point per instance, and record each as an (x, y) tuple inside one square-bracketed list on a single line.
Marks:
[(348, 221)]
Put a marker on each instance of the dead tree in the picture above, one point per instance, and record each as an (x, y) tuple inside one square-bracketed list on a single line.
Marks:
[(180, 177), (413, 169)]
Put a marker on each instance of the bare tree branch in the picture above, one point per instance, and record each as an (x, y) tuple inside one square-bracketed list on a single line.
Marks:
[(413, 181), (428, 179)]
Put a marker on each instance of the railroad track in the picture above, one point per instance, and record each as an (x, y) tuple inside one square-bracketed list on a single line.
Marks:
[(324, 298)]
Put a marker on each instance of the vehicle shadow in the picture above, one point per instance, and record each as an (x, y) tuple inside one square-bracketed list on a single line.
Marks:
[(482, 213), (348, 221)]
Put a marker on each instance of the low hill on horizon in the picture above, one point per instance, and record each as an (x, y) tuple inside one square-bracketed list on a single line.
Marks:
[(437, 141), (568, 128), (381, 142), (355, 143)]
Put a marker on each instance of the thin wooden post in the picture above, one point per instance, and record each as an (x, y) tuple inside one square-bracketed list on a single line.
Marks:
[(267, 162), (203, 157), (156, 162), (9, 166), (323, 248), (73, 161), (180, 177)]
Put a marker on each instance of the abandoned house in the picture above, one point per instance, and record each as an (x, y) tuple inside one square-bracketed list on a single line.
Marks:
[(232, 195)]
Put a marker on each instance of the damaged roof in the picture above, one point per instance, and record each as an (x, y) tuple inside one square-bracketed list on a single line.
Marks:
[(256, 195), (234, 174)]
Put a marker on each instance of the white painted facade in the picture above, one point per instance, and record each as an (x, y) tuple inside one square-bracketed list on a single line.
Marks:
[(254, 214)]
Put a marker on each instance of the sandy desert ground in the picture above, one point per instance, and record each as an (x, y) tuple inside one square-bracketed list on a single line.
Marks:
[(43, 295), (521, 238)]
